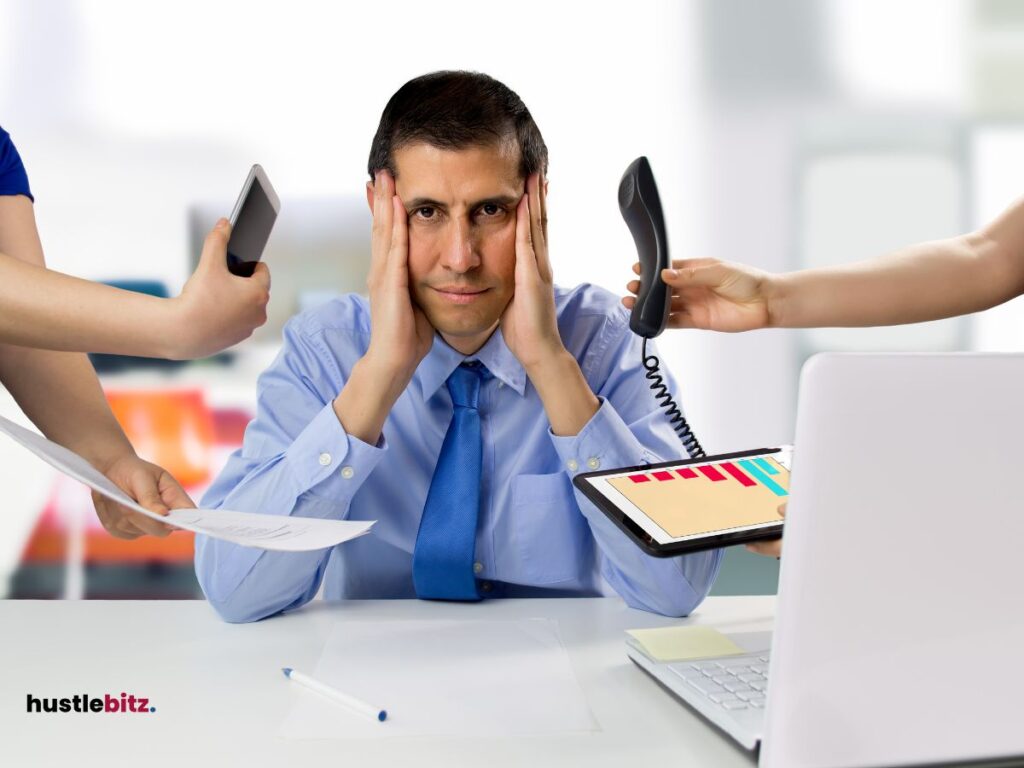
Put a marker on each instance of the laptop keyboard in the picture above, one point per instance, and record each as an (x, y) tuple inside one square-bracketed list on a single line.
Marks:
[(736, 682)]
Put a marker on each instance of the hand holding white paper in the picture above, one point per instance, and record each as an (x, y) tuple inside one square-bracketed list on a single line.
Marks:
[(277, 532)]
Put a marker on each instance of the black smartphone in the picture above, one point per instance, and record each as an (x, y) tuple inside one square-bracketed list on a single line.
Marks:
[(251, 222)]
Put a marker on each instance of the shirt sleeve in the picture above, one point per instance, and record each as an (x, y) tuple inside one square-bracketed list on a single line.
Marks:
[(630, 429), (296, 459), (13, 178)]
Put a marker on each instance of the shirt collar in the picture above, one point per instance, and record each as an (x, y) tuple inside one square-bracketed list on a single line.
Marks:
[(442, 360)]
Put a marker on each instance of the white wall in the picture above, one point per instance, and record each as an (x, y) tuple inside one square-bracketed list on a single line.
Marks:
[(126, 112)]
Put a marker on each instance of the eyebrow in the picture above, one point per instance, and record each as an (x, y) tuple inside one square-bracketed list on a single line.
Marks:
[(423, 202)]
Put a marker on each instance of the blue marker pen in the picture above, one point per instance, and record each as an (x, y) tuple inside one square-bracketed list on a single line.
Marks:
[(375, 713)]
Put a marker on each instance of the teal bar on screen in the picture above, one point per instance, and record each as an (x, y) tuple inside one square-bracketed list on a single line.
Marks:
[(763, 479)]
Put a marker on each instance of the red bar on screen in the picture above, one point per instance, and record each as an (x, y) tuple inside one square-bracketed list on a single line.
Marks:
[(686, 474), (662, 476), (711, 473), (640, 478), (736, 472)]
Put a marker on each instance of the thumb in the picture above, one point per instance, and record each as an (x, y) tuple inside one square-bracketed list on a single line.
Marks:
[(215, 248), (260, 277), (147, 493), (173, 494)]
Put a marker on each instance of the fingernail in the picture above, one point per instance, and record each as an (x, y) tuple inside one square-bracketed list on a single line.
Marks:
[(221, 223), (670, 274)]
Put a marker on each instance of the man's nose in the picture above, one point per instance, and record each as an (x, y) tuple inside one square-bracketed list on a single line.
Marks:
[(458, 253)]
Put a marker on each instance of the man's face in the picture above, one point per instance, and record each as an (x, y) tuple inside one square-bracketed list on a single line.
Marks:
[(462, 233)]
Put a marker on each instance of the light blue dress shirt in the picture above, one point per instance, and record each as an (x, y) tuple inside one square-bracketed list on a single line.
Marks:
[(536, 535)]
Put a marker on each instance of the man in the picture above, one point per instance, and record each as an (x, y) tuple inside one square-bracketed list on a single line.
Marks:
[(46, 318), (458, 402)]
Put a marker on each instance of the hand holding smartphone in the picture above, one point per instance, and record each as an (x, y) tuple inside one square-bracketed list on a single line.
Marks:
[(251, 222)]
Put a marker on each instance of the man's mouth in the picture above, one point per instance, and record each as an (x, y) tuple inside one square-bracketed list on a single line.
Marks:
[(459, 294)]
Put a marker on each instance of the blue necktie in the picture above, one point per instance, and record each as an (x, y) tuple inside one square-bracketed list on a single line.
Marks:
[(442, 562)]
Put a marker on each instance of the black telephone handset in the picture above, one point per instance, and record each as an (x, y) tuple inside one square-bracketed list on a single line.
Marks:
[(640, 205), (641, 208)]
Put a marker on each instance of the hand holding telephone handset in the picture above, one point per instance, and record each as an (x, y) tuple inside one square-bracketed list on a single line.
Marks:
[(640, 205), (704, 502)]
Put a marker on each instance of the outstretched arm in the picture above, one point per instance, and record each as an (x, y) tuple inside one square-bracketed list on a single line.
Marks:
[(927, 281)]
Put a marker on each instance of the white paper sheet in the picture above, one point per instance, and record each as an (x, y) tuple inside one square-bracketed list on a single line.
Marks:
[(451, 678), (289, 534)]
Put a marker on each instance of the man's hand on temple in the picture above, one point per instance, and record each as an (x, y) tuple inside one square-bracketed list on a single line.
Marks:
[(530, 322), (401, 334)]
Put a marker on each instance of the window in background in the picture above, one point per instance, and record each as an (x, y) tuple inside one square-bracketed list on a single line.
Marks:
[(869, 186), (997, 173)]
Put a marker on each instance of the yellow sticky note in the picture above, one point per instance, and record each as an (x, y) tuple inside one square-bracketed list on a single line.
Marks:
[(684, 643)]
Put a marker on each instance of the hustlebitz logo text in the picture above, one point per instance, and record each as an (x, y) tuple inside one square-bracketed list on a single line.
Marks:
[(125, 704)]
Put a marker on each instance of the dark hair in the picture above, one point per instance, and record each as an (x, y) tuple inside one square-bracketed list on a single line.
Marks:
[(455, 110)]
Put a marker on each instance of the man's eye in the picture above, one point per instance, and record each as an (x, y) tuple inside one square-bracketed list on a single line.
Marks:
[(490, 209), (425, 212)]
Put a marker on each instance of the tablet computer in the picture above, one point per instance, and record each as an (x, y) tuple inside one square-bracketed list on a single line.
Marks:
[(695, 504)]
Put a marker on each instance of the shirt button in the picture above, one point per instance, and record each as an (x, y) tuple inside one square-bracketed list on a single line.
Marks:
[(478, 567), (325, 459), (572, 464), (486, 586), (347, 472), (593, 462), (501, 384)]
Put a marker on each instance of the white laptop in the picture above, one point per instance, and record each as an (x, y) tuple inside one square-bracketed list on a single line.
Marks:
[(899, 632)]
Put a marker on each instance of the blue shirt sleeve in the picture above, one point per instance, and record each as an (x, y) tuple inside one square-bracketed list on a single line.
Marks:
[(13, 178), (296, 445), (631, 429)]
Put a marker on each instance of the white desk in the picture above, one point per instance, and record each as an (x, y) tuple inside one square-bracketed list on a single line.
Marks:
[(221, 698)]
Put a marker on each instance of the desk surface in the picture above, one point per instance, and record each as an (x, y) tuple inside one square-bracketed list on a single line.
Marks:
[(221, 697)]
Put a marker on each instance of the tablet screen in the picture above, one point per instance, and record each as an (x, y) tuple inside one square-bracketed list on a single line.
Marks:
[(676, 503)]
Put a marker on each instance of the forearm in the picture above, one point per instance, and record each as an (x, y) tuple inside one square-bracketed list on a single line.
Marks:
[(276, 581), (50, 310), (61, 395), (928, 281), (245, 584), (367, 398), (315, 474), (568, 400), (669, 586)]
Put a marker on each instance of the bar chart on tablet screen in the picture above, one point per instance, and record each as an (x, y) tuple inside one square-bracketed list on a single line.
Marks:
[(699, 498)]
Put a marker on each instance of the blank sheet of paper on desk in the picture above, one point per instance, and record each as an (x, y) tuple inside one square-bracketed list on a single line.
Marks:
[(442, 678), (250, 529)]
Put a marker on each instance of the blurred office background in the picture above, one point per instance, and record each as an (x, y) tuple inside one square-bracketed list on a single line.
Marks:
[(786, 134)]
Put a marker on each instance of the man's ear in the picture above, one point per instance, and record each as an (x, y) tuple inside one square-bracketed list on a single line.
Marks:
[(545, 187), (370, 194)]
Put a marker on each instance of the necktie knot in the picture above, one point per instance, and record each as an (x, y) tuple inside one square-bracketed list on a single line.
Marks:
[(464, 385)]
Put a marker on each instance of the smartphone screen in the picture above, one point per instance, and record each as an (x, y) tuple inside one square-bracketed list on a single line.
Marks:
[(251, 223), (694, 500)]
